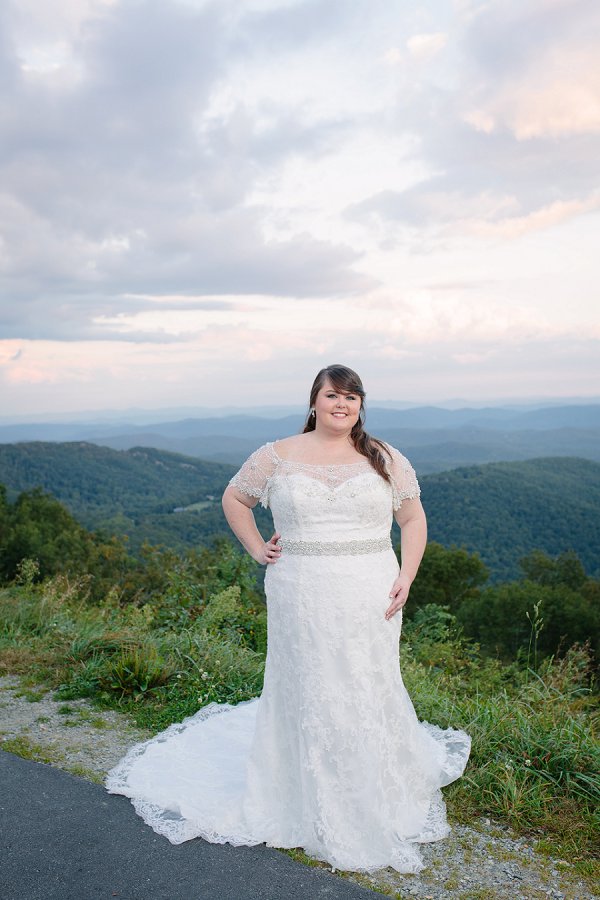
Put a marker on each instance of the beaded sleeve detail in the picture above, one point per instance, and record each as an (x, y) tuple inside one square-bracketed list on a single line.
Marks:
[(253, 477), (404, 479)]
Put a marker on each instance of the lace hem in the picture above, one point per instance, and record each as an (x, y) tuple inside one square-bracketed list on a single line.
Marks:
[(117, 779), (220, 818)]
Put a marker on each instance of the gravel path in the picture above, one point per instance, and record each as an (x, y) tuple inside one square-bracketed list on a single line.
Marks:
[(484, 861), (72, 735)]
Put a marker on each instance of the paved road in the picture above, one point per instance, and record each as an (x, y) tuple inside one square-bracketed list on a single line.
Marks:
[(63, 838)]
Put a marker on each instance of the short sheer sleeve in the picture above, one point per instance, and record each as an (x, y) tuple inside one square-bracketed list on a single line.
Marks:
[(404, 480), (253, 477)]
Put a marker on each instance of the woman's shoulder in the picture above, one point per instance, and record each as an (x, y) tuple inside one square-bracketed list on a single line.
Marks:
[(287, 447), (389, 448), (395, 455), (271, 453)]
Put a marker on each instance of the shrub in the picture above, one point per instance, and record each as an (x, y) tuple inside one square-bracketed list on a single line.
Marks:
[(138, 670)]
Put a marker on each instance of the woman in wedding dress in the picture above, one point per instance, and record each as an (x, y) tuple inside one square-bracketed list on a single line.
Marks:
[(331, 757)]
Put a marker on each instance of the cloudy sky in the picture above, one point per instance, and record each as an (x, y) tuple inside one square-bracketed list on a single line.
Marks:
[(202, 202)]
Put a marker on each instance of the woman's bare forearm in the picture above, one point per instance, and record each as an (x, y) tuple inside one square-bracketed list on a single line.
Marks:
[(241, 521), (413, 528), (412, 544)]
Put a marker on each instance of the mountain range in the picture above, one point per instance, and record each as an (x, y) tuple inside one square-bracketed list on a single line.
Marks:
[(435, 439), (501, 510)]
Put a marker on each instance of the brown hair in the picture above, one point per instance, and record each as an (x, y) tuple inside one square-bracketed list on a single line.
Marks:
[(344, 379)]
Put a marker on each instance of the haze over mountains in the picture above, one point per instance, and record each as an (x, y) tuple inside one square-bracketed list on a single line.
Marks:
[(434, 438)]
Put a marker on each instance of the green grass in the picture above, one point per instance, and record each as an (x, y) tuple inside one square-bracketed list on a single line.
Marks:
[(87, 717), (451, 883), (84, 772), (151, 662), (32, 696), (535, 757), (478, 894), (27, 749)]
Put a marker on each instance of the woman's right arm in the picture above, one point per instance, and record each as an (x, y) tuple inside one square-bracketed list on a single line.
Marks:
[(238, 512)]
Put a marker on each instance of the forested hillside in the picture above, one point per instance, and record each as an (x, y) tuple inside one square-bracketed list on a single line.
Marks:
[(133, 492), (148, 495), (505, 510), (98, 482), (500, 510)]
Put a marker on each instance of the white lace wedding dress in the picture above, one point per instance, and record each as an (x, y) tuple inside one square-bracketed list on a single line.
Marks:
[(331, 757)]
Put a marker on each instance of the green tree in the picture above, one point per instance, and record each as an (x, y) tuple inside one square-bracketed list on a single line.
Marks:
[(38, 527), (4, 511), (500, 618), (567, 569), (446, 577)]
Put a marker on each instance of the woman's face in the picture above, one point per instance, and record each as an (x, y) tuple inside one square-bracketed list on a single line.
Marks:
[(337, 410)]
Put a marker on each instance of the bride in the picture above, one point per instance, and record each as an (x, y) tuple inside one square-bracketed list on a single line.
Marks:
[(331, 757)]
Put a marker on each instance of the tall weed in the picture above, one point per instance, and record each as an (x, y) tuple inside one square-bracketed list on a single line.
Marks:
[(535, 758)]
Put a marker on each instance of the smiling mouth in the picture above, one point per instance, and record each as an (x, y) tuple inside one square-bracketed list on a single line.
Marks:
[(339, 415)]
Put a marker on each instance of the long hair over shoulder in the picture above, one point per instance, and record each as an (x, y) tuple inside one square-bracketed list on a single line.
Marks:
[(344, 379)]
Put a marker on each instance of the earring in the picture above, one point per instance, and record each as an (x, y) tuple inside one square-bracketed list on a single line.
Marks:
[(312, 412)]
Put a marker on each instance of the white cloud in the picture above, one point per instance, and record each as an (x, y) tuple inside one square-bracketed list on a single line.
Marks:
[(534, 68), (276, 183), (511, 138), (121, 186), (558, 95), (424, 47), (393, 56), (548, 216)]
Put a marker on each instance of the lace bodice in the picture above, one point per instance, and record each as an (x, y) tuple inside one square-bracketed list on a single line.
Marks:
[(258, 474)]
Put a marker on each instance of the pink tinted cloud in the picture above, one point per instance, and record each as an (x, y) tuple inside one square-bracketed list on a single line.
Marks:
[(556, 93)]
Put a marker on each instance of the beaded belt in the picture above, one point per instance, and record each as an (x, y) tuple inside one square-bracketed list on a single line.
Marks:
[(335, 548)]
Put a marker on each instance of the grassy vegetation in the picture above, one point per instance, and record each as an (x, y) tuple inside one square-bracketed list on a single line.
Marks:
[(160, 660), (535, 758), (27, 749)]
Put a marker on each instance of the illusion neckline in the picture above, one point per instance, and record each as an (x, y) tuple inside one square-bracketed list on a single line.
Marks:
[(296, 462)]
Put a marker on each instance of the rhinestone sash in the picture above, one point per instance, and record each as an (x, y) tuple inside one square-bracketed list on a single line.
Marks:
[(335, 548)]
